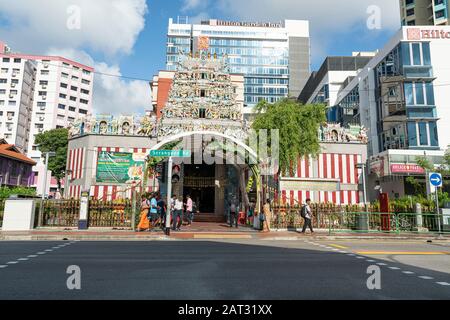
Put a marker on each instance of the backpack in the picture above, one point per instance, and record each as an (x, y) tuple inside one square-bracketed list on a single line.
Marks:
[(303, 211)]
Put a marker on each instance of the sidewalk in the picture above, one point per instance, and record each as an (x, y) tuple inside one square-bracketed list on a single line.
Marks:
[(199, 232)]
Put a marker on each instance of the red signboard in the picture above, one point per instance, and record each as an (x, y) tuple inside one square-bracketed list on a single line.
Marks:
[(420, 34), (407, 168)]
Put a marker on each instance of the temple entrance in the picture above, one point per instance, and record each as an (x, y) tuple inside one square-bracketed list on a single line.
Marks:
[(199, 182)]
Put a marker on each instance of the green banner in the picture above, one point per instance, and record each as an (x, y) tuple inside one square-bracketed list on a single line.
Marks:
[(119, 167)]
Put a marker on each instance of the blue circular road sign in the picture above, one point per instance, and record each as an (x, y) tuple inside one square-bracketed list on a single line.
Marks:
[(436, 179)]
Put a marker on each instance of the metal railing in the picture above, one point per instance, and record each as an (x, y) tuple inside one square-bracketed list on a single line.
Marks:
[(366, 222)]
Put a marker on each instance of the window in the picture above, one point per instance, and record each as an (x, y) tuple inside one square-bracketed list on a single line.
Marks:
[(86, 72), (423, 134), (202, 93), (417, 61), (71, 119), (41, 104), (420, 99), (84, 91), (5, 59), (2, 91), (65, 64), (45, 72), (202, 113), (440, 14), (75, 78), (410, 12), (16, 81), (3, 80), (13, 92), (85, 81), (11, 103), (76, 68), (61, 106), (73, 88), (72, 109), (84, 101), (63, 96), (83, 111), (39, 126), (2, 102), (73, 98), (43, 82), (433, 134), (63, 85), (17, 60), (43, 93), (61, 117), (64, 75), (4, 70)]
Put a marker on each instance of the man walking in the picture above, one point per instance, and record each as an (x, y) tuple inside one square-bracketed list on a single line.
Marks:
[(189, 210), (233, 213), (153, 210), (177, 214), (307, 215)]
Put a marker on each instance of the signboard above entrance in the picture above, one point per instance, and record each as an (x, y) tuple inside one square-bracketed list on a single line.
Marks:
[(309, 184), (407, 169)]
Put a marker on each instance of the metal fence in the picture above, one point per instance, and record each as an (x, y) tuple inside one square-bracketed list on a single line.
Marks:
[(365, 222), (65, 213)]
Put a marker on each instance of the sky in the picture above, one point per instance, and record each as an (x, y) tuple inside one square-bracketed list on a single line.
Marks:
[(127, 37)]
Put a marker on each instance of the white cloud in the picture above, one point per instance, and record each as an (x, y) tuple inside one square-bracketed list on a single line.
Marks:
[(106, 26), (112, 94)]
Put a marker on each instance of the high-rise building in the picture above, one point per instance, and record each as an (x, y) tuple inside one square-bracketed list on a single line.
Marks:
[(402, 97), (273, 57), (17, 82), (424, 12), (41, 93)]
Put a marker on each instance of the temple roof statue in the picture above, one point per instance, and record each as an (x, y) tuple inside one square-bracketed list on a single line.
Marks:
[(202, 98)]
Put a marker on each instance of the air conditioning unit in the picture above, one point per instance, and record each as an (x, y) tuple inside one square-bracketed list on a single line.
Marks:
[(44, 86), (41, 129), (14, 75), (44, 97), (13, 85), (11, 95), (41, 118), (42, 108), (46, 65)]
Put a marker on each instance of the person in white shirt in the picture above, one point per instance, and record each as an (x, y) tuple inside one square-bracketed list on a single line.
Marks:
[(177, 213), (308, 216)]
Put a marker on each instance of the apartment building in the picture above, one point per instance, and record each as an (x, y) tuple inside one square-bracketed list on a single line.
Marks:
[(424, 12)]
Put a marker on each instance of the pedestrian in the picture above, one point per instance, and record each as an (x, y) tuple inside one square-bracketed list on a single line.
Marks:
[(306, 214), (162, 211), (233, 213), (153, 210), (178, 214), (144, 223), (267, 214), (250, 213), (189, 210)]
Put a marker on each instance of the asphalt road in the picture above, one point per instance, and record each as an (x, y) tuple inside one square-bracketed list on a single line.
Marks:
[(222, 270)]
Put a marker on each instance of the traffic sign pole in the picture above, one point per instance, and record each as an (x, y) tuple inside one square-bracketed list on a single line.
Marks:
[(437, 209), (436, 182), (169, 195)]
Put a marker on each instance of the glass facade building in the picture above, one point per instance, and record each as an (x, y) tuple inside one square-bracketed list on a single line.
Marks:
[(274, 58)]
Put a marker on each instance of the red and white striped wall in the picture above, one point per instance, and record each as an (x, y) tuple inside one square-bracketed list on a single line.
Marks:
[(76, 165), (113, 192), (328, 166)]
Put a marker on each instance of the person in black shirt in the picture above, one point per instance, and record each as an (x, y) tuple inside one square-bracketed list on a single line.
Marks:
[(161, 206)]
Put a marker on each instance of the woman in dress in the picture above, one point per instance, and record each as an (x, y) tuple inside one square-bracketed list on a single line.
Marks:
[(144, 223)]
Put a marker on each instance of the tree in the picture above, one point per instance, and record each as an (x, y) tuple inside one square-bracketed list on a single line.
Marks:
[(298, 127), (55, 140)]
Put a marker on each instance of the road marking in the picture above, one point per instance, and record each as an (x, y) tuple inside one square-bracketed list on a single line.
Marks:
[(12, 262), (408, 272), (3, 266), (394, 268), (32, 256), (218, 236), (23, 259), (335, 249), (443, 283), (41, 252), (381, 264), (370, 260), (338, 246), (343, 252), (412, 253), (360, 258), (426, 278), (351, 254), (48, 250)]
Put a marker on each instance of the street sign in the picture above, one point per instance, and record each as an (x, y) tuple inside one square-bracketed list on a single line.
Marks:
[(171, 153), (436, 180)]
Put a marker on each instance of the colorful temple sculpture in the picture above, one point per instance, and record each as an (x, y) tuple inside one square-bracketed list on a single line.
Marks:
[(202, 98)]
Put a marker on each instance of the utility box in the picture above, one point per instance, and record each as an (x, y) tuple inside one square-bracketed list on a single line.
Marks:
[(19, 215), (445, 220)]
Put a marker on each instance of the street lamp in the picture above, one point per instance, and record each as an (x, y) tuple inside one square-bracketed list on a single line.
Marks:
[(47, 156), (362, 166)]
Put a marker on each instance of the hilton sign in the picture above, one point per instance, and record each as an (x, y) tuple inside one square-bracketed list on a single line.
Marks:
[(423, 34)]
